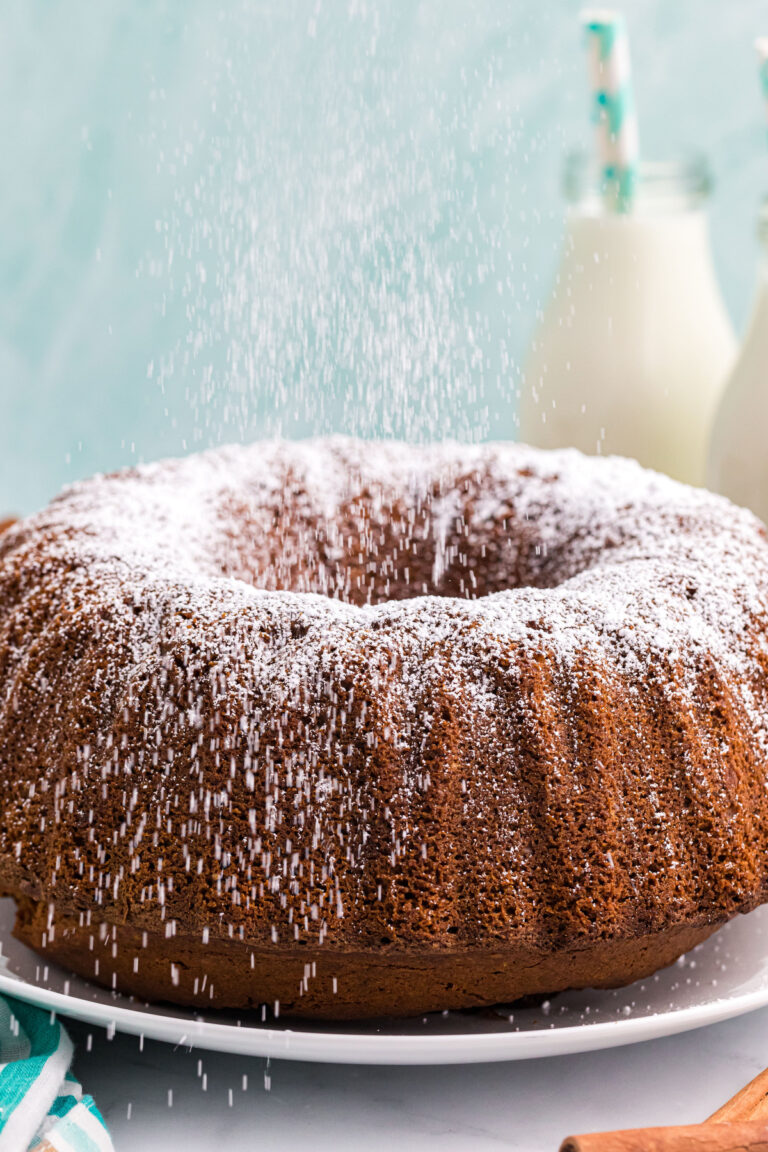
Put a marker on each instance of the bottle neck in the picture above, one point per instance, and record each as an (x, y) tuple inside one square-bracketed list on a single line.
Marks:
[(663, 237), (671, 188)]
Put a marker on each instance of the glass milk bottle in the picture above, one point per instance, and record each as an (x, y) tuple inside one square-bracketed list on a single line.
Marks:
[(738, 459), (633, 350)]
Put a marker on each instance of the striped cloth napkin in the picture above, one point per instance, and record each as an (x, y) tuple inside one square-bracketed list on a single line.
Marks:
[(42, 1106)]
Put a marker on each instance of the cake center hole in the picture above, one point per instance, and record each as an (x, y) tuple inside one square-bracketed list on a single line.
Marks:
[(374, 552)]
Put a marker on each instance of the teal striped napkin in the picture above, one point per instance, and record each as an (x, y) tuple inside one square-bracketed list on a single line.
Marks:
[(42, 1106)]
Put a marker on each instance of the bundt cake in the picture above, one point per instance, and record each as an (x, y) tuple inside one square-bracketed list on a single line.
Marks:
[(353, 729)]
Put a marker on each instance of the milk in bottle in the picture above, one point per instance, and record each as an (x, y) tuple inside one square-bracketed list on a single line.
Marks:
[(738, 460), (631, 354)]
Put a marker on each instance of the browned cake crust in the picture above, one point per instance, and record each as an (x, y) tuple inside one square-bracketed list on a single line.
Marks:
[(324, 982), (366, 729)]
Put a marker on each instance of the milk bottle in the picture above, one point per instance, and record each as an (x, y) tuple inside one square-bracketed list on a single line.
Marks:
[(631, 354), (738, 459)]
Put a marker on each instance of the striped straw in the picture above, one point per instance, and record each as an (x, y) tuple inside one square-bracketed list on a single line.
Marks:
[(761, 44), (614, 113)]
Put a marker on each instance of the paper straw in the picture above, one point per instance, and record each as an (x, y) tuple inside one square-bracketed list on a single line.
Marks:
[(761, 44), (610, 78)]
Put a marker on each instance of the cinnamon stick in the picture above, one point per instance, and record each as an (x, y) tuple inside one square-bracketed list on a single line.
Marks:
[(739, 1125), (744, 1136), (751, 1103)]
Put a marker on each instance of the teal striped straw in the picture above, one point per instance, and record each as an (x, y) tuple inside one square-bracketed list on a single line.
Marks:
[(613, 106)]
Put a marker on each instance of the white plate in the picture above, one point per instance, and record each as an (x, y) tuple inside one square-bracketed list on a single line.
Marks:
[(726, 976)]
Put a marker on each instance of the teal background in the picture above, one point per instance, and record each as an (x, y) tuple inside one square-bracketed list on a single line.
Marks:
[(280, 216)]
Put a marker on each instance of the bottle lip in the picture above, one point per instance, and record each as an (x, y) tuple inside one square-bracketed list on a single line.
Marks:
[(675, 185)]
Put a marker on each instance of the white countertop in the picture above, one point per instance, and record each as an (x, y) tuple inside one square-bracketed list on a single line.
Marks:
[(529, 1106)]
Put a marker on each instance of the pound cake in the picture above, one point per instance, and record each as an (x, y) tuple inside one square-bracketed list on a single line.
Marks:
[(352, 729)]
